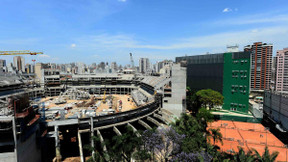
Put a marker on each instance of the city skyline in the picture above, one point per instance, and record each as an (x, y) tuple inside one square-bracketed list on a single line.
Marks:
[(66, 32)]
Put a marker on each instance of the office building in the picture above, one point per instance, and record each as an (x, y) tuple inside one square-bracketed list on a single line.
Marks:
[(261, 65), (227, 73), (144, 65), (19, 63), (281, 79)]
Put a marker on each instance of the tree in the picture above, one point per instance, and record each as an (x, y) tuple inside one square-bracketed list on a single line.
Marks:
[(192, 101), (241, 156), (210, 98), (123, 146), (216, 135), (194, 133), (99, 154), (165, 142), (266, 156)]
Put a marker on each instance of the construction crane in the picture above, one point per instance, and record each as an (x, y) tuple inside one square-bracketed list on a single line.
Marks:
[(25, 52), (132, 61)]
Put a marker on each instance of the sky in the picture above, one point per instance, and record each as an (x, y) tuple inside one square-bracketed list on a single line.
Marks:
[(91, 31)]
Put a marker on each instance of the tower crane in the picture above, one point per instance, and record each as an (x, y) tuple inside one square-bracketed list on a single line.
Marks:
[(25, 52)]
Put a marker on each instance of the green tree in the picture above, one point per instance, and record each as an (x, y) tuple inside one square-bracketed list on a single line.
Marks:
[(99, 154), (266, 156), (193, 131), (123, 147), (192, 101), (216, 135), (241, 156), (210, 97)]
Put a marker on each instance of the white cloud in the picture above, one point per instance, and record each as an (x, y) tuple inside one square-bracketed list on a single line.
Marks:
[(73, 45), (122, 0), (255, 19), (116, 43), (44, 56), (227, 10)]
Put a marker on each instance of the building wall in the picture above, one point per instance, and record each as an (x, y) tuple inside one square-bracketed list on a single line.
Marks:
[(281, 81), (204, 71), (176, 103), (227, 73), (236, 81), (275, 107)]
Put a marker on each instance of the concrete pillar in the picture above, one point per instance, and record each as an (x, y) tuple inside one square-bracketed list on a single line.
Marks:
[(116, 130), (15, 138), (92, 134), (144, 124), (80, 146), (134, 129), (153, 121), (57, 144)]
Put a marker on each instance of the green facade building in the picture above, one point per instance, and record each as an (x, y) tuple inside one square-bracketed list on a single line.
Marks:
[(236, 81), (227, 73)]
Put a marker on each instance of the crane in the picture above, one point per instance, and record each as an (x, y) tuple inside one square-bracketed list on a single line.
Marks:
[(25, 52)]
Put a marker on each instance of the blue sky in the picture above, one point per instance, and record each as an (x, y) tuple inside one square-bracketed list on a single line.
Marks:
[(108, 30)]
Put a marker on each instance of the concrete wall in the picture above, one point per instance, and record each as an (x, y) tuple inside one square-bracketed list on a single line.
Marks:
[(177, 102), (28, 150), (7, 157), (276, 107)]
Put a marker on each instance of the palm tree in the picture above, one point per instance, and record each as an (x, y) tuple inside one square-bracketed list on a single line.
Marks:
[(216, 135), (241, 156), (266, 156)]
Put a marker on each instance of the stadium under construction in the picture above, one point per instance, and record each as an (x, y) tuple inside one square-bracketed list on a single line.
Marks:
[(56, 118)]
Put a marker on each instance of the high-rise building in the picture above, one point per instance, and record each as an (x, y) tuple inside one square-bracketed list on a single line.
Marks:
[(144, 65), (29, 68), (2, 65), (273, 74), (281, 79), (227, 73), (114, 66), (261, 65), (19, 63)]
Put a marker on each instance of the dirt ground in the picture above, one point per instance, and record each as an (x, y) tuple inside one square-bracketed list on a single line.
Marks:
[(77, 108)]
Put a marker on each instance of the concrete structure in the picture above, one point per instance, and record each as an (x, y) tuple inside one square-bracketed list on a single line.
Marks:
[(65, 130), (19, 63), (175, 95), (234, 48), (275, 109), (18, 123), (227, 73), (281, 80), (261, 65), (144, 65)]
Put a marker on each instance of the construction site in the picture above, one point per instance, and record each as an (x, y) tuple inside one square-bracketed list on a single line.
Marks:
[(80, 104), (55, 117)]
